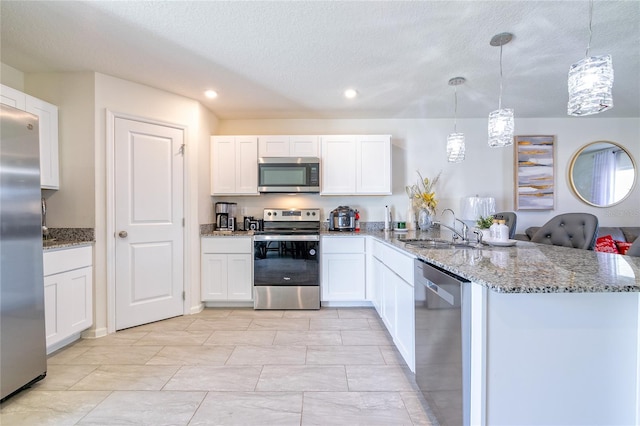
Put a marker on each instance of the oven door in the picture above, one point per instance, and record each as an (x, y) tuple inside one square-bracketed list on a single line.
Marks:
[(286, 260)]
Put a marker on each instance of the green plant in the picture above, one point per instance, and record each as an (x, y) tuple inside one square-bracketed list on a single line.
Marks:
[(484, 222)]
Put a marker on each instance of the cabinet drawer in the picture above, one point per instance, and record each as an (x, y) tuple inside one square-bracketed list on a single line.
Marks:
[(399, 263), (58, 261), (343, 245), (226, 245), (377, 250)]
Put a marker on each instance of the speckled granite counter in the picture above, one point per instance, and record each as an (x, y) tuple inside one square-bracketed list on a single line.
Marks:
[(68, 237), (529, 267), (524, 268)]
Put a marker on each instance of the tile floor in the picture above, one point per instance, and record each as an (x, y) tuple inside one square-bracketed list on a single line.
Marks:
[(230, 367)]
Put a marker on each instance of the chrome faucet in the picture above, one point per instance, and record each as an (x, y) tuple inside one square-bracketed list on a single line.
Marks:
[(465, 229)]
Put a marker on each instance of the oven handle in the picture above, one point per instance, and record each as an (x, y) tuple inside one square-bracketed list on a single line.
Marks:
[(286, 237)]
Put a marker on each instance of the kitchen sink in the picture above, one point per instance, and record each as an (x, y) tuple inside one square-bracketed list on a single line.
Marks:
[(434, 243)]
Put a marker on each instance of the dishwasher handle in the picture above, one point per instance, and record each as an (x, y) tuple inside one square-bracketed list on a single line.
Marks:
[(440, 292)]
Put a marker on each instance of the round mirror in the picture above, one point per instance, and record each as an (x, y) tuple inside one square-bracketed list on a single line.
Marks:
[(602, 173)]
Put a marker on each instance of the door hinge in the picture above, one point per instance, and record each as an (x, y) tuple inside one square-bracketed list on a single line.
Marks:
[(184, 295), (182, 148), (183, 222)]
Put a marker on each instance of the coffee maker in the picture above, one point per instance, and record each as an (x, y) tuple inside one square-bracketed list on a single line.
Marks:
[(226, 216)]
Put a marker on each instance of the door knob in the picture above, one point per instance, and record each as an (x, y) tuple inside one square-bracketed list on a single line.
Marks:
[(123, 234)]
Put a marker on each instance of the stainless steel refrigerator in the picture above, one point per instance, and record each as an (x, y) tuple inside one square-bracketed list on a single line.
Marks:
[(22, 331)]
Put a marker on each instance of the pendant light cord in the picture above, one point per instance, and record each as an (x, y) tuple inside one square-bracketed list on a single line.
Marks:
[(455, 109), (590, 32), (500, 97)]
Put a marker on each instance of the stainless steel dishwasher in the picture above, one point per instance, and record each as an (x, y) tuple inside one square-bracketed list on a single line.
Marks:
[(442, 342)]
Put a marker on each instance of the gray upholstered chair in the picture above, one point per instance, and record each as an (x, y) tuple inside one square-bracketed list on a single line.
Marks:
[(510, 220), (577, 230), (634, 250)]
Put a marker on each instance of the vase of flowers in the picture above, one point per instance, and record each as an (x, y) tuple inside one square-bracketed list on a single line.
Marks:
[(423, 199)]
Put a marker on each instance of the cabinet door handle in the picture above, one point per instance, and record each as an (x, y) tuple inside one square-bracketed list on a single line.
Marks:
[(122, 234)]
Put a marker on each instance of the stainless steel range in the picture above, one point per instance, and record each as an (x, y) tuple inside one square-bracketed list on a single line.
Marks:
[(285, 267)]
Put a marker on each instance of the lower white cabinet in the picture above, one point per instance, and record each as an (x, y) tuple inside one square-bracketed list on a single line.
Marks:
[(68, 294), (393, 296), (226, 269), (343, 269)]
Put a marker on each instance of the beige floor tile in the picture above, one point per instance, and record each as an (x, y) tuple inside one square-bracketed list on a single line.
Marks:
[(250, 408), (67, 355), (339, 324), (192, 355), (357, 313), (419, 411), (366, 337), (62, 377), (249, 337), (263, 355), (124, 338), (383, 378), (171, 324), (321, 313), (391, 355), (299, 324), (174, 338), (343, 355), (207, 324), (55, 408), (127, 377), (330, 338), (214, 378), (117, 355), (354, 408), (213, 313), (286, 378), (376, 323), (251, 313), (145, 408)]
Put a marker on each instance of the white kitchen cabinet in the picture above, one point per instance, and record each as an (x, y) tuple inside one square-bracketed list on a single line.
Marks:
[(226, 269), (356, 165), (48, 132), (234, 165), (68, 294), (343, 269), (288, 146), (394, 301)]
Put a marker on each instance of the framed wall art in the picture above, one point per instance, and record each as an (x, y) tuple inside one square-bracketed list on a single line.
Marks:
[(534, 172)]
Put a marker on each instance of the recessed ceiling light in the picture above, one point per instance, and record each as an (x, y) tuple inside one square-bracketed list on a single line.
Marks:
[(211, 94), (350, 93)]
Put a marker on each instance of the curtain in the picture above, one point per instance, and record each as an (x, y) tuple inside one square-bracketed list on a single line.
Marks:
[(604, 173)]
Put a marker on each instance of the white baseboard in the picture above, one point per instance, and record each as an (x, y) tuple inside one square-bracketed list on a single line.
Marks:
[(196, 309), (94, 333), (351, 304)]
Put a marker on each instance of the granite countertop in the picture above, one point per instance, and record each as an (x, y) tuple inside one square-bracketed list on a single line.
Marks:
[(525, 267), (58, 244)]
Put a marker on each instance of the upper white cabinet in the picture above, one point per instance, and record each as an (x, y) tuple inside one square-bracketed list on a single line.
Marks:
[(288, 146), (48, 126), (234, 165), (356, 164)]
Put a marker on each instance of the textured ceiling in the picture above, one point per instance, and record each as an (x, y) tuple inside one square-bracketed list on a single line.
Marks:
[(294, 59)]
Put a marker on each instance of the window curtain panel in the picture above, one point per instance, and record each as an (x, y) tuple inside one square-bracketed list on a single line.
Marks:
[(604, 173)]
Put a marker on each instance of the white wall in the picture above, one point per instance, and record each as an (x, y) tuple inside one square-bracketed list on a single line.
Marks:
[(419, 144), (73, 205), (11, 77)]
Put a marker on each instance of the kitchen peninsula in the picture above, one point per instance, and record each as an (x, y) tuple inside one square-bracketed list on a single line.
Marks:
[(554, 332)]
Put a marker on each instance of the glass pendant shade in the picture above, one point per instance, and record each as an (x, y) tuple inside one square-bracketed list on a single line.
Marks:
[(455, 147), (590, 84), (501, 127)]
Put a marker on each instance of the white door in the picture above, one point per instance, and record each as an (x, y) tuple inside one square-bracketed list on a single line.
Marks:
[(148, 222)]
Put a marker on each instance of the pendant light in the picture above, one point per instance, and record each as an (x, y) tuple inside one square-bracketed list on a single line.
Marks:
[(590, 82), (501, 126), (455, 140)]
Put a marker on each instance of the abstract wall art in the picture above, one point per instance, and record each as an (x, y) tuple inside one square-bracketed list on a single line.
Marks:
[(534, 172)]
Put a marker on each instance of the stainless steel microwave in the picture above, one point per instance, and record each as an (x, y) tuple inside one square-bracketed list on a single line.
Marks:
[(288, 174)]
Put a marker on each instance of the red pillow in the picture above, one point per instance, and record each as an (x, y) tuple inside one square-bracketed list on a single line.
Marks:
[(606, 244), (623, 246)]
